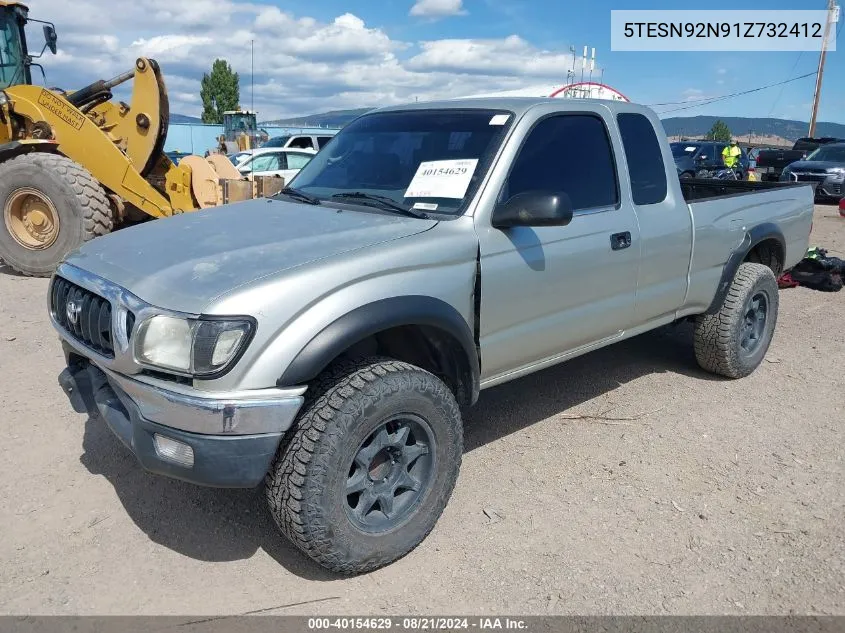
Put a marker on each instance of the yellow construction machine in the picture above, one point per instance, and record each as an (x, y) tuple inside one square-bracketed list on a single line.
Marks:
[(75, 165)]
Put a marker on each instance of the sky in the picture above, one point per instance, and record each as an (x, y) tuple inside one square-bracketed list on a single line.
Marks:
[(312, 56)]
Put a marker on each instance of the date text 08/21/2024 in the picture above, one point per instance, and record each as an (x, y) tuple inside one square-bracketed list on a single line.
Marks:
[(417, 623)]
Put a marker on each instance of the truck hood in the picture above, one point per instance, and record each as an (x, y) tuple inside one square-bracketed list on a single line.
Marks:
[(183, 262), (817, 166)]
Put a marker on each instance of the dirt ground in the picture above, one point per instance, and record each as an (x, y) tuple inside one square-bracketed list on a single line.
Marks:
[(713, 497)]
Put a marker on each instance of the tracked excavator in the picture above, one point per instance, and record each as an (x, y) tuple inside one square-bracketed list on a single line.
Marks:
[(76, 164)]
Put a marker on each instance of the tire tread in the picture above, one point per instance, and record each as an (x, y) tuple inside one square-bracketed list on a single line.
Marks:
[(286, 483)]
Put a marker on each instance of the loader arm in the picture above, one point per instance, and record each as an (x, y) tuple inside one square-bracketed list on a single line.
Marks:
[(140, 129), (120, 145)]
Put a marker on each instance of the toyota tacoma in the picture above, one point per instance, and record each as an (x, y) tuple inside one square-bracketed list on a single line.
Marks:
[(323, 343)]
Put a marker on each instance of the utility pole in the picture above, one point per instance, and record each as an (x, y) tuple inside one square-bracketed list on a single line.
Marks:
[(831, 6)]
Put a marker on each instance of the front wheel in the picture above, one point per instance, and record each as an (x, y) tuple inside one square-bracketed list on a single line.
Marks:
[(50, 206), (369, 466), (733, 341)]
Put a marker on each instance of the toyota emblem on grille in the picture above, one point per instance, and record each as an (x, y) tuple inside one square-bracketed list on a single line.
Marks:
[(72, 310)]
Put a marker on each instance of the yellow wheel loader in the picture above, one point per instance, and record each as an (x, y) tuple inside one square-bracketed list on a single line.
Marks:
[(75, 165)]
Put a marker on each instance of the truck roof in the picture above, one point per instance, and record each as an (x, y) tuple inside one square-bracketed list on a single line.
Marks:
[(518, 105)]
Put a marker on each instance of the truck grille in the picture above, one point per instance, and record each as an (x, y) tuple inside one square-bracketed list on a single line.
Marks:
[(85, 316), (811, 177)]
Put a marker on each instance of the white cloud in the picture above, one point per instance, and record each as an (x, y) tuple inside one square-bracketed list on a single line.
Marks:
[(302, 65), (510, 56), (437, 8)]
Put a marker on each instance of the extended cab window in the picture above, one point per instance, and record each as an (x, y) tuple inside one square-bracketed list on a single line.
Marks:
[(569, 153), (645, 162)]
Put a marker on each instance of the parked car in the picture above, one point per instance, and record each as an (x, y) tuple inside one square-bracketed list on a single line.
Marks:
[(313, 142), (691, 157), (824, 166), (238, 157), (771, 162), (323, 341), (275, 162)]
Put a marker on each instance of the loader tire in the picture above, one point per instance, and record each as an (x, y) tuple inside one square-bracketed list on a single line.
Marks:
[(50, 206), (368, 467), (733, 341)]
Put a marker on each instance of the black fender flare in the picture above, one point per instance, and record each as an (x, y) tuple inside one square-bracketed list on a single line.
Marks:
[(375, 317), (13, 149), (752, 237)]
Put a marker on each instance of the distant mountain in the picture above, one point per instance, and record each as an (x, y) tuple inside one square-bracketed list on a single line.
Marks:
[(333, 119), (742, 126), (184, 118)]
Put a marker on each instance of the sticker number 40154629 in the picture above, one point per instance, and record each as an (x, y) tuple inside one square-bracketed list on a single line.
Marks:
[(442, 179)]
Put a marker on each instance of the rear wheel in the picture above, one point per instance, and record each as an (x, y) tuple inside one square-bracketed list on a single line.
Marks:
[(50, 206), (733, 341), (370, 465)]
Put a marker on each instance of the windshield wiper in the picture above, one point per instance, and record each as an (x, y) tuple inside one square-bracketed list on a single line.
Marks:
[(382, 201), (299, 195)]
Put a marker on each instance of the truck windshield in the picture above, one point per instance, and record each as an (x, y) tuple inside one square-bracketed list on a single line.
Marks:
[(432, 160), (12, 70), (833, 153)]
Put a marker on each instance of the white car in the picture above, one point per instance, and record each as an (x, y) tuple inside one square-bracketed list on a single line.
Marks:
[(308, 142), (275, 161), (238, 157)]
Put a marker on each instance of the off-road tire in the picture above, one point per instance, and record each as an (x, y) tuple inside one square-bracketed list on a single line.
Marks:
[(718, 336), (304, 487), (81, 204)]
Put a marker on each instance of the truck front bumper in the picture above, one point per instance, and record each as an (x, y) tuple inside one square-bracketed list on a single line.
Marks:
[(205, 439)]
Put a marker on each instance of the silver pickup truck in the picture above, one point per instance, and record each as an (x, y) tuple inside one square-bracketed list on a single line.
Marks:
[(324, 341)]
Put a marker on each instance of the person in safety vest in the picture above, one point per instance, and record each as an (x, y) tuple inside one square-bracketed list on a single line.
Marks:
[(731, 153)]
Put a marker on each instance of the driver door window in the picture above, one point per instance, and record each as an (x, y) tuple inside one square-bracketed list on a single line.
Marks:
[(570, 154)]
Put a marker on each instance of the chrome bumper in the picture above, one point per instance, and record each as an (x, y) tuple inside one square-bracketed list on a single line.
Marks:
[(247, 412), (220, 413), (227, 457)]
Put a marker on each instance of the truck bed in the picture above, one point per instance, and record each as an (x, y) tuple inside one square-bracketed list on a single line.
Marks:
[(698, 189)]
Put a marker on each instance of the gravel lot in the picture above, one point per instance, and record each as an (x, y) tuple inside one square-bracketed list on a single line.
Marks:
[(712, 496)]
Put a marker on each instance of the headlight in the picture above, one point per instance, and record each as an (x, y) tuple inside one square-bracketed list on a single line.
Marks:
[(198, 347), (837, 171)]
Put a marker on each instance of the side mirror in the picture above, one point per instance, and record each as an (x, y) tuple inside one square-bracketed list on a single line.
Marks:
[(701, 158), (50, 37), (534, 208)]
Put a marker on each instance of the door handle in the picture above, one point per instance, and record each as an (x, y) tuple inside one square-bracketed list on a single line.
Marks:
[(618, 241)]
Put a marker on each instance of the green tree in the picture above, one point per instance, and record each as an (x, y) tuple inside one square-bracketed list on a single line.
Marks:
[(719, 132), (220, 91)]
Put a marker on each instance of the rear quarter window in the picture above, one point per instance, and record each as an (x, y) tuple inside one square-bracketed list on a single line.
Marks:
[(645, 161)]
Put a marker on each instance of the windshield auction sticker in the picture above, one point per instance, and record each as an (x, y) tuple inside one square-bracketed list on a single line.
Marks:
[(723, 30), (442, 179)]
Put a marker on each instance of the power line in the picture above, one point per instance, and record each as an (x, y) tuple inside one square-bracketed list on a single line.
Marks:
[(780, 92), (709, 100)]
